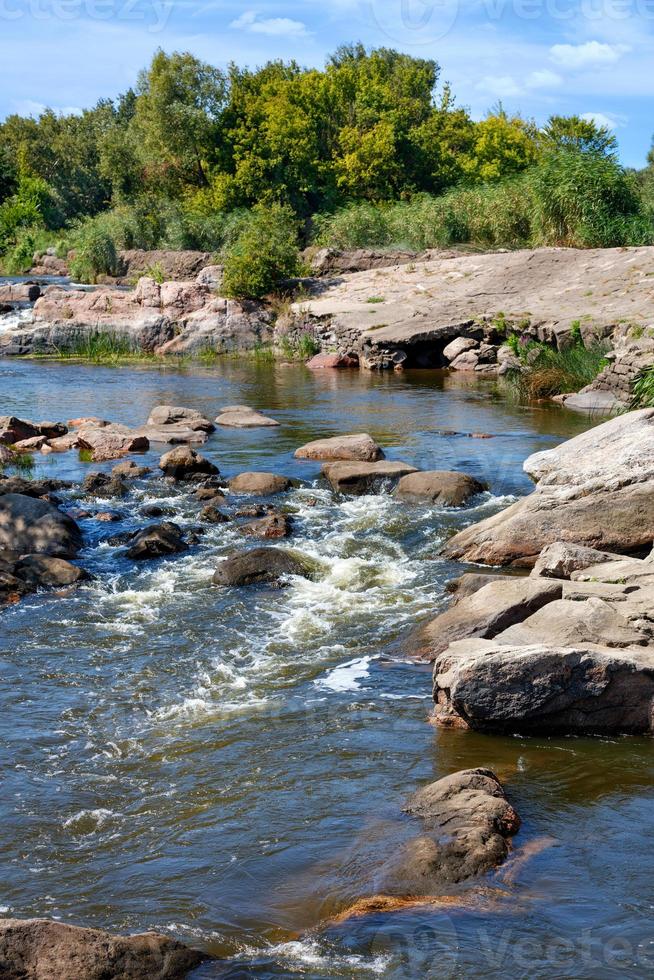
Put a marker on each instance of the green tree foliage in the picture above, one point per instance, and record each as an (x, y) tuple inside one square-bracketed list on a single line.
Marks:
[(575, 133), (263, 252)]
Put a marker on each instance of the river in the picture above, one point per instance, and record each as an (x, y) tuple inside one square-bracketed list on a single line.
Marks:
[(228, 766)]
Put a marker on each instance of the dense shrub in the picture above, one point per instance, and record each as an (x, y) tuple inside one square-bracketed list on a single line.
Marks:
[(264, 252), (546, 371), (95, 255)]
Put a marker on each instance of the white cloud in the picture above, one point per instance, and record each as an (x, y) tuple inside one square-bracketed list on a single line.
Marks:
[(592, 54), (602, 119), (501, 86), (26, 107), (251, 22), (543, 79)]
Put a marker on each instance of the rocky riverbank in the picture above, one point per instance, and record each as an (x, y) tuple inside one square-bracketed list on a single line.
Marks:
[(375, 311)]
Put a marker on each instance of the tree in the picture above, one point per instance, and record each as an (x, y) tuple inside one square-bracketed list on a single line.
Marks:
[(502, 146), (575, 133), (177, 117)]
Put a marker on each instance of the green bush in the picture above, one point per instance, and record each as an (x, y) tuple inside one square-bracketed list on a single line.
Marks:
[(95, 255), (584, 200), (546, 371), (19, 257), (643, 390), (264, 252)]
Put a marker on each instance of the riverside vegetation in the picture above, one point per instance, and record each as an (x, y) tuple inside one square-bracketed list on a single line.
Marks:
[(252, 165)]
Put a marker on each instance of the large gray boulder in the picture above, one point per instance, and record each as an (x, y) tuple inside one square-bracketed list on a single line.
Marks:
[(243, 417), (595, 490), (485, 613), (442, 487), (259, 484), (40, 949), (183, 463), (188, 418), (360, 478), (567, 624), (358, 446), (157, 541), (33, 526), (111, 441), (468, 823), (560, 560), (491, 687)]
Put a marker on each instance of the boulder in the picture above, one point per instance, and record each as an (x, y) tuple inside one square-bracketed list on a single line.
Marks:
[(62, 444), (595, 490), (156, 541), (31, 488), (448, 489), (184, 463), (13, 430), (46, 571), (567, 624), (261, 484), (211, 276), (458, 346), (326, 361), (40, 949), (52, 430), (360, 478), (273, 525), (104, 485), (560, 560), (185, 418), (467, 361), (35, 526), (468, 824), (471, 582), (487, 612), (358, 447), (129, 470), (214, 515), (19, 292), (242, 417), (543, 688), (30, 445), (261, 565), (625, 571), (110, 441)]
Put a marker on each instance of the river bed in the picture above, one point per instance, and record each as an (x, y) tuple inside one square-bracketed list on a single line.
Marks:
[(229, 766)]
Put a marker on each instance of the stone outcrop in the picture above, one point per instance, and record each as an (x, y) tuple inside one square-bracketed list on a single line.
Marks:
[(110, 441), (607, 471), (486, 612), (35, 526), (361, 478), (585, 689), (560, 560), (467, 823), (40, 949), (356, 447), (261, 565), (243, 417), (448, 489)]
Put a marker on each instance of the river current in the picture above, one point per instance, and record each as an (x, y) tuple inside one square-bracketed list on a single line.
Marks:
[(228, 766)]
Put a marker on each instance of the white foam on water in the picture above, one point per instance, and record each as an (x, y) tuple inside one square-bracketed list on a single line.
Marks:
[(17, 318), (297, 955), (346, 677), (88, 821)]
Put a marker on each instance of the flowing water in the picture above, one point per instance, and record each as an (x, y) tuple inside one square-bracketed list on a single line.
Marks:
[(228, 766)]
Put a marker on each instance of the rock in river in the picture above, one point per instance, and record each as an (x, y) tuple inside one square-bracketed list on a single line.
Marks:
[(243, 417), (184, 463), (261, 565), (596, 490), (260, 484), (34, 526), (157, 541), (586, 689), (40, 949), (449, 489), (110, 441), (356, 447), (468, 823), (361, 478)]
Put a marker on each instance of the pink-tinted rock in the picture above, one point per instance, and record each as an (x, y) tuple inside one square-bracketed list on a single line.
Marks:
[(321, 361)]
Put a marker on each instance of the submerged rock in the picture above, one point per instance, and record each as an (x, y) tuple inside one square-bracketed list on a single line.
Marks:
[(35, 526), (468, 823), (261, 565), (356, 447), (449, 489), (492, 687), (39, 949), (260, 484), (360, 478)]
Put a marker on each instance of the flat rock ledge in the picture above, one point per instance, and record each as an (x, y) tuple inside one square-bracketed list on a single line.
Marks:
[(361, 478), (40, 949)]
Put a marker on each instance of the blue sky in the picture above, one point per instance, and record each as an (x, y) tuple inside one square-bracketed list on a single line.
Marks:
[(592, 57)]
